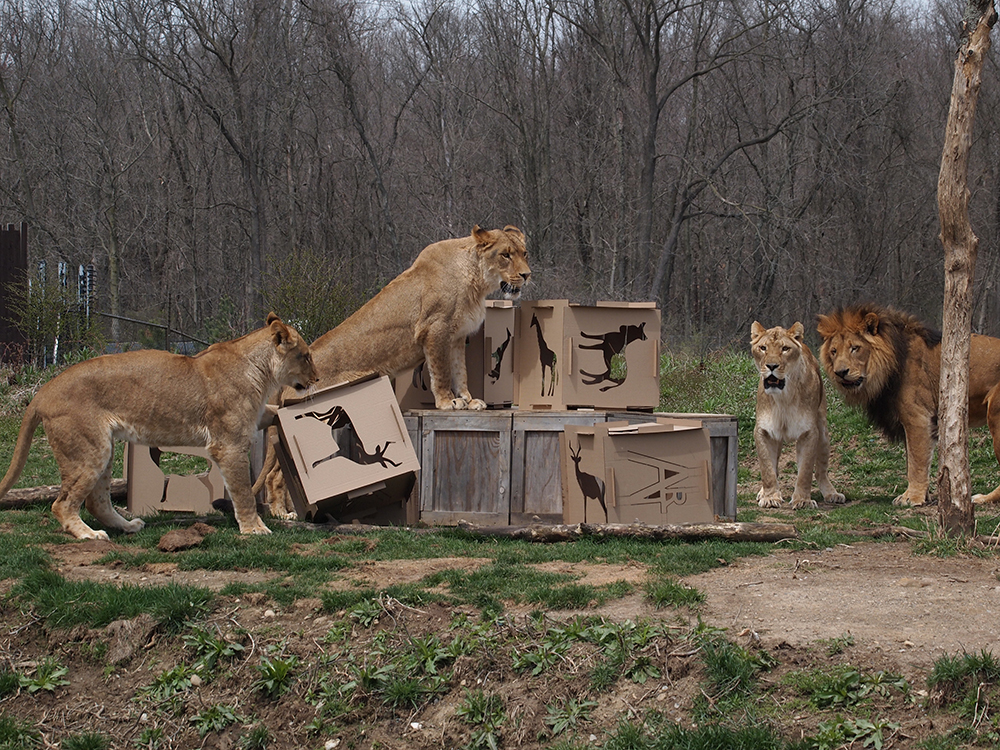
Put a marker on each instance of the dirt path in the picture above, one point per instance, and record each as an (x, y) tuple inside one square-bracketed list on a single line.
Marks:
[(915, 607)]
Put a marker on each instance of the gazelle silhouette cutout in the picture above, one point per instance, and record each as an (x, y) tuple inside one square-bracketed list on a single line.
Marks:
[(590, 485)]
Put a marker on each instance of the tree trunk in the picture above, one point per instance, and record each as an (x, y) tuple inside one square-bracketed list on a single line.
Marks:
[(960, 247)]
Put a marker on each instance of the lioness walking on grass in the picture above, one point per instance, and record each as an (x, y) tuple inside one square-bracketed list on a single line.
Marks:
[(213, 400)]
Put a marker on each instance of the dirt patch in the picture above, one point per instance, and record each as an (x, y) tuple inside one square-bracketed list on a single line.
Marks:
[(916, 607)]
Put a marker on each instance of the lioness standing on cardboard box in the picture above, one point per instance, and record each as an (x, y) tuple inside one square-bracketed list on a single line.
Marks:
[(213, 400)]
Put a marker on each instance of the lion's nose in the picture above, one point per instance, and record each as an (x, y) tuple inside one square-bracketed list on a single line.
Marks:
[(842, 374), (525, 275), (771, 367)]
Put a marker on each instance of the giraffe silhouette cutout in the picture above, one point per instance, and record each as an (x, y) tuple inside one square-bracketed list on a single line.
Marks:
[(547, 358), (590, 485), (498, 358), (612, 346), (337, 418)]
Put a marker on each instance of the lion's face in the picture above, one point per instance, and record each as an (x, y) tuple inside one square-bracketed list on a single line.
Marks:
[(847, 353), (295, 367), (777, 352), (505, 258)]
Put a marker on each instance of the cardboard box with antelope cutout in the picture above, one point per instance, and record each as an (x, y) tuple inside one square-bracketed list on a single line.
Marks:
[(654, 473), (489, 359), (345, 452), (570, 356)]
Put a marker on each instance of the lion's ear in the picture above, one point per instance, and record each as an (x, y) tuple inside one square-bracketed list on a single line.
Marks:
[(756, 331), (871, 323), (480, 235), (797, 331), (824, 326), (279, 331), (511, 229), (271, 317)]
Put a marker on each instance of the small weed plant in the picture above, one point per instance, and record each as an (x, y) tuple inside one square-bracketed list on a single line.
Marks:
[(485, 714), (49, 675), (276, 675), (214, 719), (567, 713)]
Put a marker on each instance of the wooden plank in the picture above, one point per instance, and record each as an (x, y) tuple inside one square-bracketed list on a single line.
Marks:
[(536, 463), (465, 466)]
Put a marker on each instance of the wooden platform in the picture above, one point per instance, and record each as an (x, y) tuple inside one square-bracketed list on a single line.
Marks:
[(502, 467)]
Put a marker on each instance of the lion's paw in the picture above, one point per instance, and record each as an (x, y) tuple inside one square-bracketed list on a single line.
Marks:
[(770, 499), (834, 497), (477, 404), (134, 526), (255, 528), (89, 533), (910, 499), (803, 501)]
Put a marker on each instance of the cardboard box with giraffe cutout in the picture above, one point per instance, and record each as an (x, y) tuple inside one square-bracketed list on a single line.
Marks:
[(605, 356)]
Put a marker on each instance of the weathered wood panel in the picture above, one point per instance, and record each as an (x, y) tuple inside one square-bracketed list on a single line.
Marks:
[(536, 459)]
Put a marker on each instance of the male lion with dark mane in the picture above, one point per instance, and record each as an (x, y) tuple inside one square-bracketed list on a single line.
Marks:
[(424, 314), (791, 407), (889, 363)]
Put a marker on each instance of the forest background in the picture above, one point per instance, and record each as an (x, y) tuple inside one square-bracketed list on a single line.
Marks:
[(732, 160)]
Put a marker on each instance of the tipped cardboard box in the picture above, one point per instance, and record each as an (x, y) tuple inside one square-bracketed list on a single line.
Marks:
[(572, 356), (489, 361), (346, 453), (151, 490), (654, 473)]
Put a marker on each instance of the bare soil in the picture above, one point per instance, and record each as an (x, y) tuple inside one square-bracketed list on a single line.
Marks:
[(902, 612)]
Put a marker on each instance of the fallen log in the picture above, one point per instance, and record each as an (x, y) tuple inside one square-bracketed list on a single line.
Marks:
[(731, 531), (26, 496)]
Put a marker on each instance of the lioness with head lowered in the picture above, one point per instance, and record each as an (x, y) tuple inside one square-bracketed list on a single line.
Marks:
[(791, 407), (424, 314), (213, 399)]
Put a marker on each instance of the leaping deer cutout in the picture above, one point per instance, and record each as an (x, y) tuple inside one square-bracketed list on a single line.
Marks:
[(590, 485), (337, 417), (612, 346), (497, 356)]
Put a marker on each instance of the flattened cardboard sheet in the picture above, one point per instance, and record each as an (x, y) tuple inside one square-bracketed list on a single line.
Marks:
[(150, 490)]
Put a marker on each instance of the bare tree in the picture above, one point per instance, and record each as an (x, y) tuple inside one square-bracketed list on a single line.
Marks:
[(960, 246)]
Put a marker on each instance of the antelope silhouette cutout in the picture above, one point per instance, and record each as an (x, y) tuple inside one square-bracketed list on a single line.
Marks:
[(337, 418), (612, 345), (498, 358), (590, 485), (546, 357)]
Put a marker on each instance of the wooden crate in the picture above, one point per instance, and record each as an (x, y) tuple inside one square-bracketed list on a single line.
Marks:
[(725, 453), (536, 479), (465, 467)]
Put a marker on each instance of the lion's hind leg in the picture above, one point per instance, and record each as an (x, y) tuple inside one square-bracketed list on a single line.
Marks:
[(993, 420), (83, 457), (99, 504), (830, 495)]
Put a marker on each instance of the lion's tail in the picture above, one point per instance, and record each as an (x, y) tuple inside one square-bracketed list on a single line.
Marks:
[(29, 424)]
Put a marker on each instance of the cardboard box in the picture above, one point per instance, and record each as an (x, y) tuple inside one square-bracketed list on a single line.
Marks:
[(489, 361), (724, 440), (570, 356), (150, 490), (654, 473), (346, 453)]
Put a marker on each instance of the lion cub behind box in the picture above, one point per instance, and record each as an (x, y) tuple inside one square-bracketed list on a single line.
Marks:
[(791, 407), (213, 399)]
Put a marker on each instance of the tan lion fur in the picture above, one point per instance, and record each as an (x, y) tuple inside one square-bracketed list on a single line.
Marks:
[(213, 399), (424, 314), (791, 407), (889, 363)]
